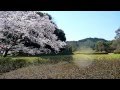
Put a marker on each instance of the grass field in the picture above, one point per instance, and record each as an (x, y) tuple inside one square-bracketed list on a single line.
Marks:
[(79, 66)]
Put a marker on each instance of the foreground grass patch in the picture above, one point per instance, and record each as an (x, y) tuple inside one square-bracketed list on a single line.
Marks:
[(46, 59), (62, 66), (99, 69), (13, 63)]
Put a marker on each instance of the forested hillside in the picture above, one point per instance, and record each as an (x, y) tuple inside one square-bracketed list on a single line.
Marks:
[(89, 44)]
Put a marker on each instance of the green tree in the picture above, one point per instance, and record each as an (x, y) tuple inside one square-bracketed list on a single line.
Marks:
[(116, 42), (100, 46), (60, 33), (108, 47)]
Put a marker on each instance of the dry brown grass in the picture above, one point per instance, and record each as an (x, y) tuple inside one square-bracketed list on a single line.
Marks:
[(98, 69)]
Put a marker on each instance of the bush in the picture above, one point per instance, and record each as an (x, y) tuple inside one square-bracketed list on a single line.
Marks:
[(59, 58), (7, 64), (117, 51), (19, 63), (5, 60)]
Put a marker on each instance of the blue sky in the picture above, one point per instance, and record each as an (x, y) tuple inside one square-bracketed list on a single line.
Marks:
[(84, 24)]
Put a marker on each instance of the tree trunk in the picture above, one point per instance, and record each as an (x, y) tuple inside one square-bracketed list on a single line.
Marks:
[(5, 53)]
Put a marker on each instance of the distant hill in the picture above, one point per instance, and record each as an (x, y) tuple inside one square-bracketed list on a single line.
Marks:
[(84, 43), (92, 39)]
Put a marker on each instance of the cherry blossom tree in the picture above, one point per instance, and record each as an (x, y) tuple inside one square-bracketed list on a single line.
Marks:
[(28, 31)]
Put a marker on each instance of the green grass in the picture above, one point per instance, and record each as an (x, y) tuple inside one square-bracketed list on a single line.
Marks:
[(67, 57), (99, 57), (46, 58)]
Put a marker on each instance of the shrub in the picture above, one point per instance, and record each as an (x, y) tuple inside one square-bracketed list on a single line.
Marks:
[(19, 63), (56, 59), (117, 51), (5, 60), (7, 64)]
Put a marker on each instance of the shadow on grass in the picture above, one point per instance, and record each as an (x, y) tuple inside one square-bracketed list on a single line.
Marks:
[(54, 59)]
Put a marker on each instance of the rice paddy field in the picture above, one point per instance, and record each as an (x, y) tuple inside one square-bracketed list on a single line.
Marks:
[(78, 66)]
